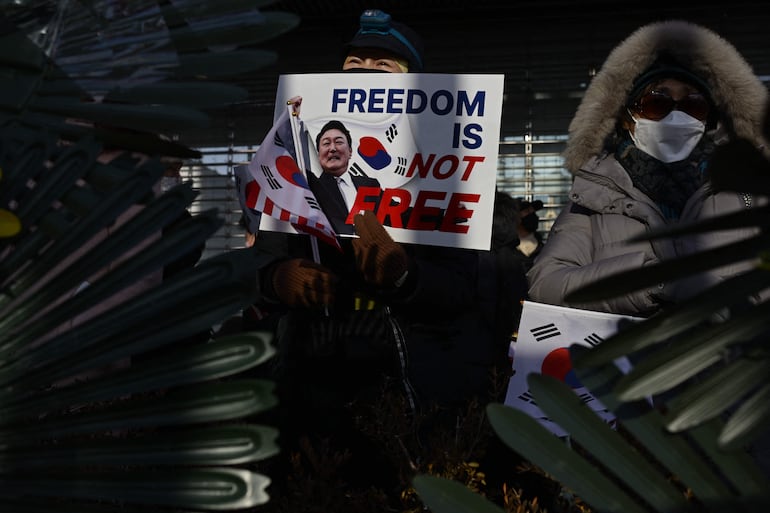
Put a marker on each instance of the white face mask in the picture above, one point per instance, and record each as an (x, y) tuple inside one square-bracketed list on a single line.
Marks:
[(670, 139)]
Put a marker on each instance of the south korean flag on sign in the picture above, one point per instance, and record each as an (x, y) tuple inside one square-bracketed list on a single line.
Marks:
[(279, 188), (382, 149)]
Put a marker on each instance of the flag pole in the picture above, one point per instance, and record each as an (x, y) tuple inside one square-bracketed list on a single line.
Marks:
[(296, 132)]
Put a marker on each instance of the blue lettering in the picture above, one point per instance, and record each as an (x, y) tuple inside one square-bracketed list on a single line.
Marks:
[(338, 98), (412, 96), (357, 99), (478, 101), (473, 137), (434, 102), (375, 99), (395, 100), (442, 102)]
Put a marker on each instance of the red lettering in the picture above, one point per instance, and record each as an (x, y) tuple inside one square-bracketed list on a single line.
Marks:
[(366, 199), (457, 213), (453, 163), (421, 210), (393, 205), (471, 162), (424, 167)]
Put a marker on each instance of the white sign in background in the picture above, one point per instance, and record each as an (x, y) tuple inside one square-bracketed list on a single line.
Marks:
[(432, 139), (542, 346)]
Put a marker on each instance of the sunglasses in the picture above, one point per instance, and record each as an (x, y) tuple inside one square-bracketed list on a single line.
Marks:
[(656, 106)]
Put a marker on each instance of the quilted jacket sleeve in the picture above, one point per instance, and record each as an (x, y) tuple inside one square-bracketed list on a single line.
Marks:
[(583, 247)]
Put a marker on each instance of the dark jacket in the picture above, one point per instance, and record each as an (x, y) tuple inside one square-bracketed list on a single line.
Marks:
[(331, 201), (436, 334)]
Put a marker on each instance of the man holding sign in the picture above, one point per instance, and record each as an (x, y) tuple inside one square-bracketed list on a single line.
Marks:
[(377, 313)]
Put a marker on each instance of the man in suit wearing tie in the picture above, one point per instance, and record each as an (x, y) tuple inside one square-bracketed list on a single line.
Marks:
[(336, 188)]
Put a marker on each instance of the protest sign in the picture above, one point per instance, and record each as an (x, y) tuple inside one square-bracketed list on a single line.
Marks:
[(542, 346), (430, 140)]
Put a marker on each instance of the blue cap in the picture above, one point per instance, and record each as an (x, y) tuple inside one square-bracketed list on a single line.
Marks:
[(378, 30)]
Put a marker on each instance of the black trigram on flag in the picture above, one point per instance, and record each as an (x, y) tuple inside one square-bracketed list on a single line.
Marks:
[(586, 397), (401, 166), (271, 181), (391, 133), (278, 141), (544, 332), (355, 170), (311, 201), (593, 340), (527, 398)]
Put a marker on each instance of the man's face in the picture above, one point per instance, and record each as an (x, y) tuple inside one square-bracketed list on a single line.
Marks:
[(334, 152), (374, 58)]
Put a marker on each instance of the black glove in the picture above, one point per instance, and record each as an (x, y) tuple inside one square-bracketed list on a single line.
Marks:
[(298, 282), (381, 260)]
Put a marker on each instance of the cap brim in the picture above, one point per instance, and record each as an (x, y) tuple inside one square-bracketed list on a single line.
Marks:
[(380, 42)]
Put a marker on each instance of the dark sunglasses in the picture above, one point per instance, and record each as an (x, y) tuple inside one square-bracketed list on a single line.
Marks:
[(655, 105)]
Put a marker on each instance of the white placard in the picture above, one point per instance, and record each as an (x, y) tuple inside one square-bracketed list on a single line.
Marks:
[(542, 346), (431, 140)]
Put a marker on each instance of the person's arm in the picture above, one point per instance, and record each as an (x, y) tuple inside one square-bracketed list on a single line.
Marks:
[(429, 278), (290, 281), (582, 248)]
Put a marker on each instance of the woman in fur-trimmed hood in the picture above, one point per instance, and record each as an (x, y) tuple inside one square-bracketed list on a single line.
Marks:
[(736, 90), (639, 147)]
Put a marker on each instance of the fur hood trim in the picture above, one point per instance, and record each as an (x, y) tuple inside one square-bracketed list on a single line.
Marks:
[(738, 93)]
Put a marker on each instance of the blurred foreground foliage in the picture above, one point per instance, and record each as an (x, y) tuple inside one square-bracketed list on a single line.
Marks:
[(113, 397)]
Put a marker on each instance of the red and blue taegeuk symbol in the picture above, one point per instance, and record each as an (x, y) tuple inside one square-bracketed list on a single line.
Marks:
[(557, 363), (290, 172), (373, 152)]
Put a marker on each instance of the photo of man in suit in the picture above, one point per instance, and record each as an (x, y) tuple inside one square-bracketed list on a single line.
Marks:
[(336, 188)]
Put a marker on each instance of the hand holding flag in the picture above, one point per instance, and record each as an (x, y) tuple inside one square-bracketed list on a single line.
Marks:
[(282, 188)]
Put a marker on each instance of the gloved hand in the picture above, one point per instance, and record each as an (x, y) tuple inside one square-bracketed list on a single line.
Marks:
[(301, 282), (381, 260)]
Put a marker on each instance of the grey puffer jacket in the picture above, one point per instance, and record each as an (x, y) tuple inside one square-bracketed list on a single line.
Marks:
[(589, 239)]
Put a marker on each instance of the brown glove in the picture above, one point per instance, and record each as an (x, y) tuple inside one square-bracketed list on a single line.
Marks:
[(301, 282), (381, 260)]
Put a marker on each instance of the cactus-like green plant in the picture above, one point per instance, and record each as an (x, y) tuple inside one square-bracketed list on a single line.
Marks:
[(96, 412)]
